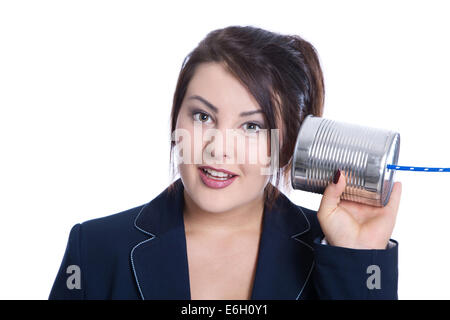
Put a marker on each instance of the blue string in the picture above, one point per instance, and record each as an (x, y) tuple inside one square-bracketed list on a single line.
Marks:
[(406, 168)]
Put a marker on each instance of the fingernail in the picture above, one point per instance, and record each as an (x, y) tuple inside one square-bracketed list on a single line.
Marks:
[(336, 176)]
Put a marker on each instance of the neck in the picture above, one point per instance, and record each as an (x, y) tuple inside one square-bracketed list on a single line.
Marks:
[(244, 218)]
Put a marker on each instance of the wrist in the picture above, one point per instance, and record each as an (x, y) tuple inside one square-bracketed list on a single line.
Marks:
[(356, 245)]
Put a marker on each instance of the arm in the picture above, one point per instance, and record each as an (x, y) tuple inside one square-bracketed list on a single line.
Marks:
[(68, 284), (357, 261), (346, 273)]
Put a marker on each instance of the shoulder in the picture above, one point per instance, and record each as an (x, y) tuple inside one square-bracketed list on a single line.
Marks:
[(114, 223), (298, 212), (310, 215), (122, 229), (296, 219), (315, 230), (109, 235)]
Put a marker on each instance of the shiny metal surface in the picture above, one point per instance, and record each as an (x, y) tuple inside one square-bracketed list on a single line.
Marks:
[(362, 153)]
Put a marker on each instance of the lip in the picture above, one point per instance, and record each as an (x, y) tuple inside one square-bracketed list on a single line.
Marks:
[(213, 183), (219, 170)]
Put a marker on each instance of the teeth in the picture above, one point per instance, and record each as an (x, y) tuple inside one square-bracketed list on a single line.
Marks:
[(217, 174)]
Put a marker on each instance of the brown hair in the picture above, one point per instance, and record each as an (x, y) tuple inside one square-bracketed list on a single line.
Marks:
[(282, 72)]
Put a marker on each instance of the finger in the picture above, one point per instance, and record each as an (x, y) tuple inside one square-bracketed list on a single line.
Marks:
[(394, 199), (386, 220), (332, 195)]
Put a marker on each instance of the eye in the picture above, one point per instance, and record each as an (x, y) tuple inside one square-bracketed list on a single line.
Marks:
[(200, 116), (252, 127)]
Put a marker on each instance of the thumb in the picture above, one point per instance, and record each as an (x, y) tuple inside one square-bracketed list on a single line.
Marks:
[(332, 194)]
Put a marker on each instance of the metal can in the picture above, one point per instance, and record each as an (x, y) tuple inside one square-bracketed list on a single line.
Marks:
[(362, 153)]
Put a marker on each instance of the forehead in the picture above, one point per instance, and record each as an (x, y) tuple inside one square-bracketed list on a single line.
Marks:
[(218, 86)]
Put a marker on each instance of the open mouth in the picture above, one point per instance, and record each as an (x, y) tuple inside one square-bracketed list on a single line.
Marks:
[(216, 175), (216, 179)]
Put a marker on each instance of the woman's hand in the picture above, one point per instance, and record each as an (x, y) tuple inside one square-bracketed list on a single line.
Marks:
[(355, 225)]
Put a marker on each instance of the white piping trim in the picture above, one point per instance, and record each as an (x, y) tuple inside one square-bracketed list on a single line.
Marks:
[(309, 225), (132, 251), (311, 248)]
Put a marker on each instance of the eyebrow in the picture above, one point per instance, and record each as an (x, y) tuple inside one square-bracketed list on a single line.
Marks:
[(216, 110)]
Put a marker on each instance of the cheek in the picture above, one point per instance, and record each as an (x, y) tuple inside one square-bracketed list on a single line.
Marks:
[(192, 142), (258, 151), (184, 137), (257, 159), (186, 170), (255, 180)]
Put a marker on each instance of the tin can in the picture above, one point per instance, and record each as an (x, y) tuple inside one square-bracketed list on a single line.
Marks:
[(362, 153)]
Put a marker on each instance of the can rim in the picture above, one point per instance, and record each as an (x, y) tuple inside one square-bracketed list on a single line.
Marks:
[(395, 140), (294, 156)]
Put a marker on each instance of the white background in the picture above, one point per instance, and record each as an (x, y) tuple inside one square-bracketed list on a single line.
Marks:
[(86, 90)]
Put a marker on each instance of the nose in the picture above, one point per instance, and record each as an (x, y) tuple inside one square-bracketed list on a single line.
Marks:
[(220, 146)]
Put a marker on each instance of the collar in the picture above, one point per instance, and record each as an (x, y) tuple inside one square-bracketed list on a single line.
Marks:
[(151, 220), (160, 266)]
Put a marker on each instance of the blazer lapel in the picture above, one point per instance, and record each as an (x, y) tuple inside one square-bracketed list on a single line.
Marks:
[(285, 261), (160, 264)]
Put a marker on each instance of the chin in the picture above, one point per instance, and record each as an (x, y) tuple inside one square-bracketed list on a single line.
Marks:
[(216, 204)]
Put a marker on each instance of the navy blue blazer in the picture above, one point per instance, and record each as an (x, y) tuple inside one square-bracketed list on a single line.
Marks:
[(141, 253)]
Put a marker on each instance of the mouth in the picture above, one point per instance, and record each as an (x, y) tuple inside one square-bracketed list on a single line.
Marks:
[(214, 178)]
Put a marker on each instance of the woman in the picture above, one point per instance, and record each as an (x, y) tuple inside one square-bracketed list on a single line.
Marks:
[(223, 230)]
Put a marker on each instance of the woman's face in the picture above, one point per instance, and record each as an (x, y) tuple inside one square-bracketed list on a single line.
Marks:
[(220, 123)]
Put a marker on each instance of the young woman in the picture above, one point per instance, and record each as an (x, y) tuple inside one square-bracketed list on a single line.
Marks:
[(224, 229)]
